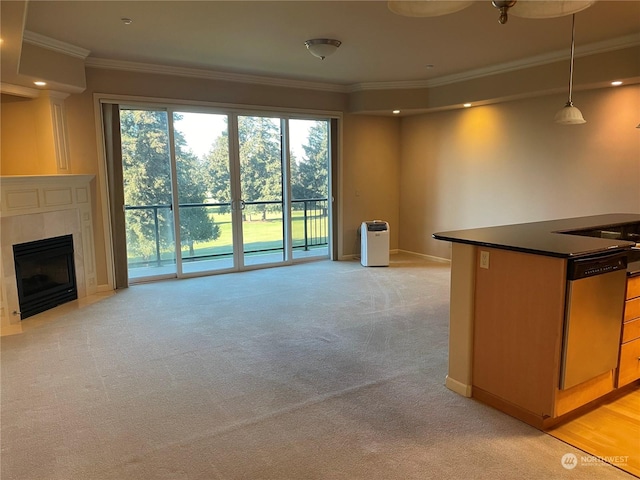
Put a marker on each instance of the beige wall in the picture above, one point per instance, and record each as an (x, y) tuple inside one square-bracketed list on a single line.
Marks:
[(59, 69), (370, 161), (509, 163), (207, 90), (27, 137), (370, 176), (592, 71), (504, 163)]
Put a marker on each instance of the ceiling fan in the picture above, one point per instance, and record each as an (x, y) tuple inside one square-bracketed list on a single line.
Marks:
[(519, 8)]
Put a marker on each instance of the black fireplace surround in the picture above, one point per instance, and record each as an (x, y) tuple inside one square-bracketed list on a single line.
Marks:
[(45, 274)]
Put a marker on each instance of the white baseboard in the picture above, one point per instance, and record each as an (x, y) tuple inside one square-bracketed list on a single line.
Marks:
[(105, 287), (427, 257), (395, 251)]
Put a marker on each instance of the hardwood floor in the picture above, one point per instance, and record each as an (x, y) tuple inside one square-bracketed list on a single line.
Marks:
[(611, 432)]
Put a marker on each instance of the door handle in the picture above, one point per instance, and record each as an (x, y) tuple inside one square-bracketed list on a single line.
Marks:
[(235, 203)]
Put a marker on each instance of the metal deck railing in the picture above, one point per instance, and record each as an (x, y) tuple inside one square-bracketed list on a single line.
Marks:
[(315, 228)]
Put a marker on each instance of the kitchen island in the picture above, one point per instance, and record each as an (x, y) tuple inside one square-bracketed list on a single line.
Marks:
[(509, 297)]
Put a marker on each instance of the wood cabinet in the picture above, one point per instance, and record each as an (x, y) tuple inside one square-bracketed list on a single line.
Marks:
[(517, 339), (629, 364), (633, 287), (519, 313)]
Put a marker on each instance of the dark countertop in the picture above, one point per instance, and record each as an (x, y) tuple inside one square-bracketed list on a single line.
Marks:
[(549, 238)]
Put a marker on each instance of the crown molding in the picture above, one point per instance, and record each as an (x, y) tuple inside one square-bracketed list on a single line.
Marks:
[(536, 61), (108, 64), (27, 92), (19, 90), (55, 45)]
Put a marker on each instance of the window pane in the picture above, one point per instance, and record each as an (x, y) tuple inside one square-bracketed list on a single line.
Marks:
[(147, 192), (204, 191), (309, 187)]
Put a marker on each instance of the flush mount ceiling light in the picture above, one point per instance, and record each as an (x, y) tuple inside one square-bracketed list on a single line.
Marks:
[(570, 115), (322, 47), (519, 8)]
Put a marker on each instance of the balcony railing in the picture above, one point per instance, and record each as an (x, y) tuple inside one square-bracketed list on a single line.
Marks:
[(314, 220)]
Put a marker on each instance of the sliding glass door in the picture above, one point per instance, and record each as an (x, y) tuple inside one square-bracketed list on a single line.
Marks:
[(209, 192), (204, 192), (261, 187), (148, 193), (309, 166)]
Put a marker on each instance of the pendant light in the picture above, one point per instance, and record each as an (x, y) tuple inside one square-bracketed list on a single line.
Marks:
[(570, 115)]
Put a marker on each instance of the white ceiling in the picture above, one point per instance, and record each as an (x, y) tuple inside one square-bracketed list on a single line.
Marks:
[(266, 38)]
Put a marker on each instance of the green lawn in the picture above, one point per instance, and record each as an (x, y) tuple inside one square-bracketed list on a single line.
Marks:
[(257, 235)]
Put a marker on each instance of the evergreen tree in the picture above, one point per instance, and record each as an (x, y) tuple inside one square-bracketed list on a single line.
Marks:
[(147, 181), (218, 177), (312, 171), (260, 164), (260, 161)]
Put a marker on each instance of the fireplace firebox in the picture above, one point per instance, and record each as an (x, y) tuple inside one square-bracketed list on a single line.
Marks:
[(45, 274)]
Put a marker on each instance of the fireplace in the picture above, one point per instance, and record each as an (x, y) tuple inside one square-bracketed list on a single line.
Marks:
[(39, 207), (45, 274)]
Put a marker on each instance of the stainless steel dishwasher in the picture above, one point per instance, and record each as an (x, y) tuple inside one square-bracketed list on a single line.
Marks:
[(593, 317)]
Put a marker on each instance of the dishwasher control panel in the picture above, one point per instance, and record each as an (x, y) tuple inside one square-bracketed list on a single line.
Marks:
[(596, 265)]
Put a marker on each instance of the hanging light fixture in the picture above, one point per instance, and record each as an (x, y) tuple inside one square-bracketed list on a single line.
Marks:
[(426, 8), (539, 8), (503, 6), (548, 8), (570, 115), (322, 47), (519, 8)]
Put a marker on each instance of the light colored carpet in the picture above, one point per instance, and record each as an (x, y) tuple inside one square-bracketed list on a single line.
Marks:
[(325, 370)]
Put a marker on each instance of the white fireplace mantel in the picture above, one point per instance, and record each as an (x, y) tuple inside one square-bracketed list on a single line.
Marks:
[(35, 207)]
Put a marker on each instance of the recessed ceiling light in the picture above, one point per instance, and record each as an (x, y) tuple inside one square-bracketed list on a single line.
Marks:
[(617, 83), (466, 105), (40, 83), (126, 21), (395, 112)]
